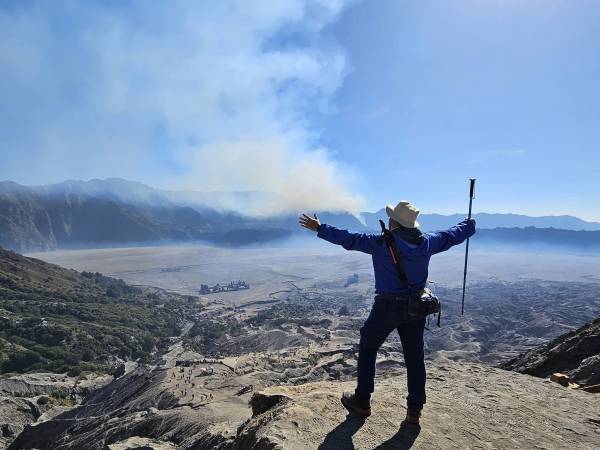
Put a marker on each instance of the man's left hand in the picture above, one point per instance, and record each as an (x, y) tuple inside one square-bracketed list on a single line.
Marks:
[(309, 223)]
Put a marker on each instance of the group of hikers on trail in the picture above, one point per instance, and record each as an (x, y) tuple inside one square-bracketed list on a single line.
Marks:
[(401, 263)]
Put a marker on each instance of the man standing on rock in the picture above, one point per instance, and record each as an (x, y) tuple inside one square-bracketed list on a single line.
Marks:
[(390, 309)]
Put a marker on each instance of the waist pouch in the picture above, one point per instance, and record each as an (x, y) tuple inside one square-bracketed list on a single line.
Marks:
[(418, 304), (423, 303)]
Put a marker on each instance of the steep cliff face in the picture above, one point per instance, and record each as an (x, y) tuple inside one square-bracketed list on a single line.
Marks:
[(468, 406), (34, 219), (27, 398), (576, 354), (24, 223), (190, 407)]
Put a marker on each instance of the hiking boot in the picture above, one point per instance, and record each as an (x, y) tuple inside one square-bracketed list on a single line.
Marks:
[(352, 404), (413, 417)]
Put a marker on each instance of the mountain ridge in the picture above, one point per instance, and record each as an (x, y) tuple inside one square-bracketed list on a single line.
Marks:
[(116, 212), (434, 221), (139, 191)]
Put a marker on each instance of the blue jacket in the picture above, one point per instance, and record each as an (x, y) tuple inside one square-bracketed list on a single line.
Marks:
[(415, 256)]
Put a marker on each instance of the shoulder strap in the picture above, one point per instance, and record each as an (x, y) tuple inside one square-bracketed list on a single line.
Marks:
[(390, 242)]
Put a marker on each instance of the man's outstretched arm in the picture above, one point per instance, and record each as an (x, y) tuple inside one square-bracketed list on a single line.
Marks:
[(443, 240), (350, 241)]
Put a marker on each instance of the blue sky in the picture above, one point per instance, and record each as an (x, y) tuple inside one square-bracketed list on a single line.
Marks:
[(507, 91), (324, 102)]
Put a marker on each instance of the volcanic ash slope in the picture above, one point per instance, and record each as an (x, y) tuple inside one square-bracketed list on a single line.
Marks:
[(468, 406), (576, 354)]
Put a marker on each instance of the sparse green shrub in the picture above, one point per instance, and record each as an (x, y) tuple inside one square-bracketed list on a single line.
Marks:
[(88, 355), (79, 323), (20, 361), (74, 371), (148, 343)]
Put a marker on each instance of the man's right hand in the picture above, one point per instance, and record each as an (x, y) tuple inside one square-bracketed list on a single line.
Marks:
[(309, 223)]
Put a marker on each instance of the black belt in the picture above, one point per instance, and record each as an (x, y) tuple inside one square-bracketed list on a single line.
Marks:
[(395, 297)]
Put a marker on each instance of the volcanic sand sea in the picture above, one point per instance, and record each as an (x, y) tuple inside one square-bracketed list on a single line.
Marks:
[(272, 269)]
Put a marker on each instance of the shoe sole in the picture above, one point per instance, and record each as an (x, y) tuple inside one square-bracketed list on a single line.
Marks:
[(356, 409)]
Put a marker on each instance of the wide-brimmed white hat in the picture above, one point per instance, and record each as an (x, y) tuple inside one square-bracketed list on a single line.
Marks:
[(404, 213)]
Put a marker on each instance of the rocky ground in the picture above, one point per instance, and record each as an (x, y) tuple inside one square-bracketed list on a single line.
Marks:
[(469, 406), (576, 354), (28, 398), (197, 395), (268, 373), (501, 320)]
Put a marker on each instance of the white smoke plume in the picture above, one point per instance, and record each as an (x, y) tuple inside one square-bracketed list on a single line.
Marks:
[(299, 178), (180, 94)]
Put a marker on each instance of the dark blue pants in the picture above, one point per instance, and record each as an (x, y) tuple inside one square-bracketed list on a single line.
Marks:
[(387, 315)]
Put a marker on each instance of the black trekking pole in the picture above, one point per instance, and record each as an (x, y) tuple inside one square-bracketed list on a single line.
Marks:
[(471, 194)]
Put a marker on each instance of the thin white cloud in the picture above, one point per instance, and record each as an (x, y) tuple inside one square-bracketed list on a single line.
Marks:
[(195, 95)]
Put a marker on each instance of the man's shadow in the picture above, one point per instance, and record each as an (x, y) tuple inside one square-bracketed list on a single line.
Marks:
[(403, 439), (340, 438)]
